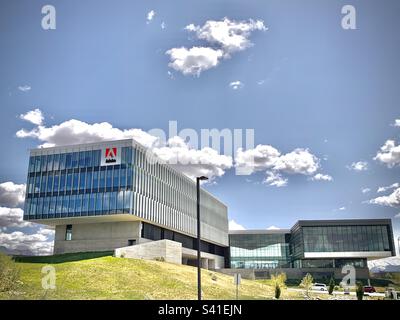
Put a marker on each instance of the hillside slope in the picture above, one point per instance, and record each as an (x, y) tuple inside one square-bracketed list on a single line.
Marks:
[(118, 278)]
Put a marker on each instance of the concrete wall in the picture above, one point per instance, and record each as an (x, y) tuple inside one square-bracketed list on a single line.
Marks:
[(295, 273), (167, 250), (96, 236)]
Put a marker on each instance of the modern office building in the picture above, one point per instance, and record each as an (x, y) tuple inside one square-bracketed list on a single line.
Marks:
[(320, 247), (114, 195)]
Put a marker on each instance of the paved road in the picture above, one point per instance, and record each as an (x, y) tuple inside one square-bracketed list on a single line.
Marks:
[(352, 293)]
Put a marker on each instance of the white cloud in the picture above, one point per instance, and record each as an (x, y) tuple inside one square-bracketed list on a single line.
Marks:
[(273, 228), (224, 38), (266, 157), (235, 85), (193, 162), (322, 177), (397, 215), (163, 25), (392, 186), (230, 35), (391, 200), (12, 194), (365, 190), (21, 243), (233, 225), (389, 154), (12, 217), (77, 132), (195, 60), (342, 208), (24, 88), (358, 166), (175, 152), (33, 116), (150, 16), (275, 179), (396, 123)]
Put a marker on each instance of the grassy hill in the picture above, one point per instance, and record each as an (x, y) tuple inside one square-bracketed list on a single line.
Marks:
[(95, 276)]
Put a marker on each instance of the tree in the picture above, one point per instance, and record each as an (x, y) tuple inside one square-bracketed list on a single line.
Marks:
[(360, 291), (331, 285), (278, 281), (9, 274), (307, 283)]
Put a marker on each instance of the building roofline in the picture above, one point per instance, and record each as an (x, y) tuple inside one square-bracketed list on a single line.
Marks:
[(259, 231)]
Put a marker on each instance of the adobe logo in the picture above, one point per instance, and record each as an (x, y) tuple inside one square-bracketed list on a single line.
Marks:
[(111, 155)]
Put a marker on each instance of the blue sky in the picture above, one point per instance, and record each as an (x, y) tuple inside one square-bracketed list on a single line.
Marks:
[(307, 83)]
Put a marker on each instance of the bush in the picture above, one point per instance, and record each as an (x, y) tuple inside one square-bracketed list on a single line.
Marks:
[(9, 274), (360, 291), (331, 286), (277, 291), (307, 283)]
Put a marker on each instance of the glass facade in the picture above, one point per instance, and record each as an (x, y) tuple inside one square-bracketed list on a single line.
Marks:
[(153, 232), (307, 239), (259, 251), (346, 238), (74, 184)]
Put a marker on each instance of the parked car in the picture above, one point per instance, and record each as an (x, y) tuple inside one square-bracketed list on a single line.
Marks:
[(369, 289), (319, 287)]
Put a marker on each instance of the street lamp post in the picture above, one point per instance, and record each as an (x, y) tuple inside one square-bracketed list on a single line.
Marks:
[(398, 244), (198, 179)]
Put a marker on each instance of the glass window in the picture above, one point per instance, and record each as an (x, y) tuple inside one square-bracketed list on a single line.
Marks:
[(71, 205), (68, 186), (92, 202), (129, 173), (62, 161), (59, 205), (99, 202), (44, 163), (52, 208), (120, 201), (106, 202), (82, 179), (78, 204), (116, 178), (113, 202), (76, 181), (88, 180), (82, 156), (96, 158), (75, 159), (68, 232), (56, 182), (88, 158), (31, 164), (123, 178), (102, 182), (37, 164), (127, 200), (85, 204), (109, 177), (65, 205), (95, 180), (56, 162), (49, 182), (49, 162), (62, 182), (37, 183), (68, 161), (40, 207)]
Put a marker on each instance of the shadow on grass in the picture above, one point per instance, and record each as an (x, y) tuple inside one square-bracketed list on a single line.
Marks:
[(60, 258)]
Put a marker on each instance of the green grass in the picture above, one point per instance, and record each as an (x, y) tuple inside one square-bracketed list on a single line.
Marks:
[(85, 276)]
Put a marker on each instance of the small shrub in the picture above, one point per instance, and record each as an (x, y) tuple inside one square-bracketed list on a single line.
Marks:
[(331, 286), (9, 274), (277, 291), (214, 277), (307, 283), (360, 291)]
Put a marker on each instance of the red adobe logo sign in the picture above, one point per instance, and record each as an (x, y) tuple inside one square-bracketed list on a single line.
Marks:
[(111, 155)]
